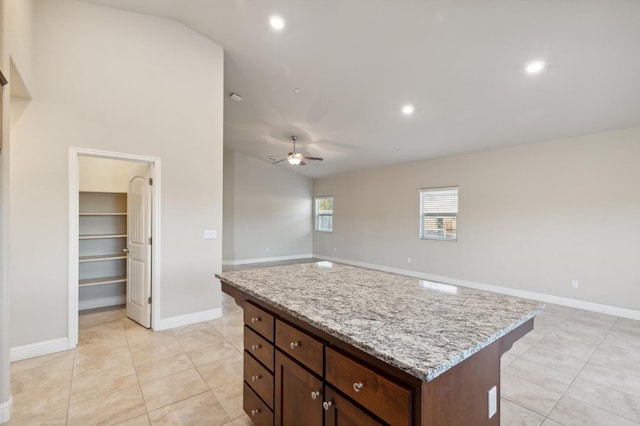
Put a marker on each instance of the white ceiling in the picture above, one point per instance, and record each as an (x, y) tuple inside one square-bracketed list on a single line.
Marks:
[(461, 63)]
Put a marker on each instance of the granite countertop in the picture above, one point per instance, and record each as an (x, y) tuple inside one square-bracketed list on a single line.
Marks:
[(421, 327)]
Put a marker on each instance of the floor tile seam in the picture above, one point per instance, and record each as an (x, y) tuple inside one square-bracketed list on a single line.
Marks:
[(139, 383), (605, 409), (528, 380), (522, 406), (66, 420), (541, 347), (617, 370), (176, 401), (573, 381)]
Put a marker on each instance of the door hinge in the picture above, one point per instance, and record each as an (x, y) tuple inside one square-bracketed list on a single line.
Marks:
[(150, 181), (150, 241), (149, 300)]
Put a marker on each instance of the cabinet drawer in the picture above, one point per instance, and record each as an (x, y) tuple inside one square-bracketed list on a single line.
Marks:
[(259, 320), (299, 345), (383, 397), (258, 347), (259, 378), (260, 414)]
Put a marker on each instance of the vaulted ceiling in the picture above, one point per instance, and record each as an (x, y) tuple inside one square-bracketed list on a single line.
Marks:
[(460, 63)]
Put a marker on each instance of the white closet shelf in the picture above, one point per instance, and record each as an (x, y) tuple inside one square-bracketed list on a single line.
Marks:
[(101, 236), (88, 282), (102, 257), (103, 214)]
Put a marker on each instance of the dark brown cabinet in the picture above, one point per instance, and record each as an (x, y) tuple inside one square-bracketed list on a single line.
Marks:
[(298, 394), (258, 365), (287, 371), (342, 412)]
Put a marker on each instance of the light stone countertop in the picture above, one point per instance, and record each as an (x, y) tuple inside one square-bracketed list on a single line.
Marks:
[(421, 327)]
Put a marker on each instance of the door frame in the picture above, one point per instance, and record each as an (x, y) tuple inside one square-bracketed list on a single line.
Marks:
[(74, 187)]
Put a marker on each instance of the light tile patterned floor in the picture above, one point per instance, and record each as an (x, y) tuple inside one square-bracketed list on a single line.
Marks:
[(575, 368)]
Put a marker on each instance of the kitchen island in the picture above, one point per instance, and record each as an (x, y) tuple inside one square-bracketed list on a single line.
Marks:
[(327, 343)]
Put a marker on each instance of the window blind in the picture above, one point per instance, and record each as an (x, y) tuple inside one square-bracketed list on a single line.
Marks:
[(439, 213)]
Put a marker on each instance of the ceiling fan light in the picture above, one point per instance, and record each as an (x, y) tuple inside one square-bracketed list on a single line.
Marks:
[(294, 160)]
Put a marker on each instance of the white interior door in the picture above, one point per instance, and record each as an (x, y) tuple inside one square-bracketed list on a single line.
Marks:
[(139, 245)]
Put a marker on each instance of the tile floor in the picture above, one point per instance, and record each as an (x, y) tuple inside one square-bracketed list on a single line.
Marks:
[(575, 368)]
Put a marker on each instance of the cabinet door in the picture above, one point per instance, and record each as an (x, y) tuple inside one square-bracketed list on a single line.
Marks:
[(294, 402), (343, 412)]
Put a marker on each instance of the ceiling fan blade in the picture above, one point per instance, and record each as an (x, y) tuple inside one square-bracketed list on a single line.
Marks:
[(302, 163), (312, 158), (279, 161)]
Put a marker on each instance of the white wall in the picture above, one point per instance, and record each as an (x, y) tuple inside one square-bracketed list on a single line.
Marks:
[(267, 210), (124, 82), (531, 217)]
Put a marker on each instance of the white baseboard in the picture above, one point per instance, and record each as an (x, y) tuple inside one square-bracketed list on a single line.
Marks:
[(101, 303), (33, 350), (5, 410), (525, 294), (181, 320), (266, 259)]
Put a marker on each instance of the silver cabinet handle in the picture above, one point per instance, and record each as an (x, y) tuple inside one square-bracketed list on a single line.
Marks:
[(255, 319), (254, 412), (256, 378), (357, 387), (126, 250), (315, 395), (294, 345), (326, 405), (256, 347)]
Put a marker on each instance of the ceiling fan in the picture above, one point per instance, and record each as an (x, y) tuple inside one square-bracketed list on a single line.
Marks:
[(295, 158)]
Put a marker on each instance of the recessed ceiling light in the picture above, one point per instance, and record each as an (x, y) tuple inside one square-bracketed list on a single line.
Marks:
[(297, 90), (408, 109), (277, 23), (535, 67)]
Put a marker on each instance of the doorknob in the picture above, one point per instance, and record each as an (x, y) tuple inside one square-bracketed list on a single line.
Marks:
[(126, 250)]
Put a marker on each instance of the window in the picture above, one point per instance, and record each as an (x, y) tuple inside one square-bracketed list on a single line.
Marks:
[(324, 214), (439, 213)]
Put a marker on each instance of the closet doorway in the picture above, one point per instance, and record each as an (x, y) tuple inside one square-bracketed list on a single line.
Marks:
[(113, 238)]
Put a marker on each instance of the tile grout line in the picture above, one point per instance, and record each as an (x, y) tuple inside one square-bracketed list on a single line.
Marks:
[(135, 370), (578, 374)]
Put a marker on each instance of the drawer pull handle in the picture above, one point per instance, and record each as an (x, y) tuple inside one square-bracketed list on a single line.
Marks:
[(294, 345), (255, 319), (315, 395), (256, 347), (357, 387), (256, 378), (326, 405), (255, 411)]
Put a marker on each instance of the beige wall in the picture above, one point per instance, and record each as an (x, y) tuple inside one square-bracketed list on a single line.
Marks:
[(115, 81), (267, 210), (104, 175), (15, 45), (532, 218)]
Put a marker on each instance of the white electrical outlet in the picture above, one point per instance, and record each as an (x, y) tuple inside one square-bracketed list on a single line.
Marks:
[(493, 401), (575, 284)]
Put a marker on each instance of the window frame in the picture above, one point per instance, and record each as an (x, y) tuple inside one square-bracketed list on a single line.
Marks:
[(422, 213), (316, 214)]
